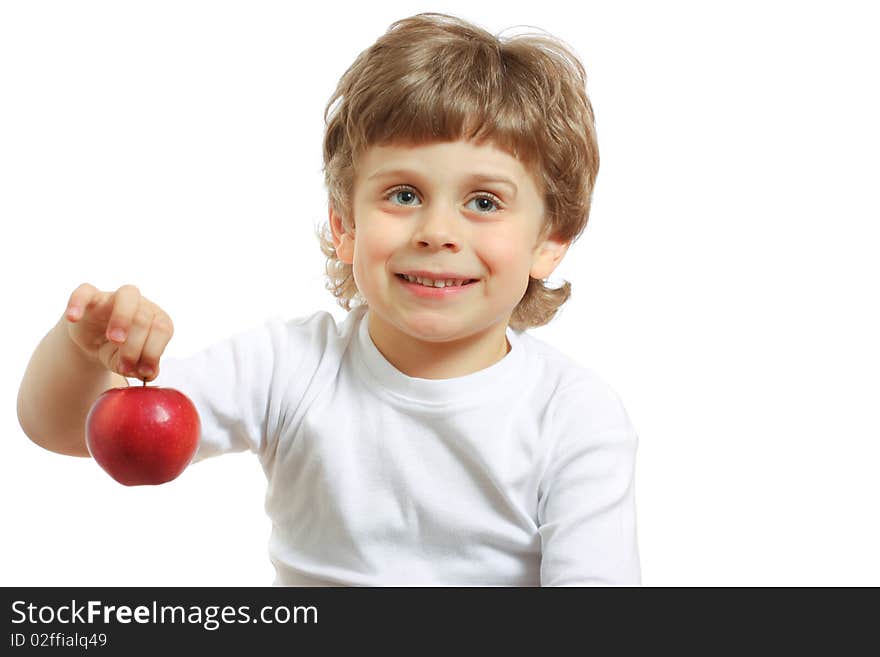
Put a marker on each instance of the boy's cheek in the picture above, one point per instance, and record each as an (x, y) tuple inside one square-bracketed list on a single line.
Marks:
[(379, 248), (503, 253)]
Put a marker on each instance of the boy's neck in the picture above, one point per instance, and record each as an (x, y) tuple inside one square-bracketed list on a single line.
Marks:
[(438, 360)]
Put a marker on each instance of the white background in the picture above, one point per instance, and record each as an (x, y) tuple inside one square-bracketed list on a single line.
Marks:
[(726, 285)]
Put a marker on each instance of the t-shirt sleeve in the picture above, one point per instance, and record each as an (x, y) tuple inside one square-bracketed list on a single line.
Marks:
[(230, 383), (586, 507)]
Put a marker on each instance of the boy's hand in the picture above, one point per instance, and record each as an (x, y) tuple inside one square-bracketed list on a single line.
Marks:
[(94, 319)]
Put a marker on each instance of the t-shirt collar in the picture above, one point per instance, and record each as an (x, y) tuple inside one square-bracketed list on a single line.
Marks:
[(471, 388)]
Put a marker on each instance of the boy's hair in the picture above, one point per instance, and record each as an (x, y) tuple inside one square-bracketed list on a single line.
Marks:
[(437, 78)]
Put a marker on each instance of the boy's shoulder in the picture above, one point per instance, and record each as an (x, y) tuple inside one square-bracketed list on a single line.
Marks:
[(571, 385), (556, 366), (319, 328)]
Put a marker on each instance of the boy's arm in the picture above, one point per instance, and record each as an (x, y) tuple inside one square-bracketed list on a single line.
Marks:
[(586, 511), (59, 387), (101, 336)]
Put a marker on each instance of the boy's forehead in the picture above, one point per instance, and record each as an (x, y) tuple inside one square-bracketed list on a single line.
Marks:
[(482, 158)]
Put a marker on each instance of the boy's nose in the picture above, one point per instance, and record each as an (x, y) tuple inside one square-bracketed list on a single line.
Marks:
[(437, 230), (439, 243)]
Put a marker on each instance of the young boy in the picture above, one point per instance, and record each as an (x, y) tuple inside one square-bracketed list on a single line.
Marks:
[(427, 439)]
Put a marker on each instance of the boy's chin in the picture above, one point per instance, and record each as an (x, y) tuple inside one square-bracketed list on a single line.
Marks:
[(439, 328)]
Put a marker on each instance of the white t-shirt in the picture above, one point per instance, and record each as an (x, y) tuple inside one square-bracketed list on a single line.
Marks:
[(520, 474)]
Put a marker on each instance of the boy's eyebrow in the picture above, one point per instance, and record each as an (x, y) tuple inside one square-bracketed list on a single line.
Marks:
[(476, 177)]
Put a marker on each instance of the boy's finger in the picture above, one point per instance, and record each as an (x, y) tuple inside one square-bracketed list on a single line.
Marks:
[(130, 352), (79, 301), (125, 304), (160, 334)]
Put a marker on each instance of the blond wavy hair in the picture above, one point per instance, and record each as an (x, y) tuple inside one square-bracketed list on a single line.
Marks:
[(437, 78)]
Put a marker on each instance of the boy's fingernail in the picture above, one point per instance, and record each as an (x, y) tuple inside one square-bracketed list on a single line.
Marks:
[(117, 335), (73, 312), (146, 370)]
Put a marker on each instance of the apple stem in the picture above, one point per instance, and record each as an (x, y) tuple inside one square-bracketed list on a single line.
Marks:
[(145, 383)]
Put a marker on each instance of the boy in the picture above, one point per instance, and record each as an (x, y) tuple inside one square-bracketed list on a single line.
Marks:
[(427, 439)]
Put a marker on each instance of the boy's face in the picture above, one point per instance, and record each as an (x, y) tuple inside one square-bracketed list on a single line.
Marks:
[(419, 208)]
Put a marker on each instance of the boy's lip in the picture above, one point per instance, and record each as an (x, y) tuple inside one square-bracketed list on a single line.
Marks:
[(431, 292), (443, 275)]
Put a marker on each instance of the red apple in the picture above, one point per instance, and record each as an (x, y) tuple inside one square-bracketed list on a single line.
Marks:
[(143, 435)]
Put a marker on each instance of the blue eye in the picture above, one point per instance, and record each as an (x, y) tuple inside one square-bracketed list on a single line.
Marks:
[(397, 193)]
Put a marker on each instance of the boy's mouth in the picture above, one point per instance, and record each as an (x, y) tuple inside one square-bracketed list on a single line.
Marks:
[(439, 282)]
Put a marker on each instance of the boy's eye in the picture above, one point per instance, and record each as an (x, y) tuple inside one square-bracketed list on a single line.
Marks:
[(405, 194)]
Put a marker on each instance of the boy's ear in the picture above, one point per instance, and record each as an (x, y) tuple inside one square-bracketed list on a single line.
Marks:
[(342, 239), (546, 256)]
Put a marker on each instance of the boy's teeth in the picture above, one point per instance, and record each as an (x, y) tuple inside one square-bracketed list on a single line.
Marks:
[(432, 283)]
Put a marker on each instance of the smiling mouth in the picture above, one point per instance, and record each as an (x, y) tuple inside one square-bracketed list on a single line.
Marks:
[(425, 282)]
